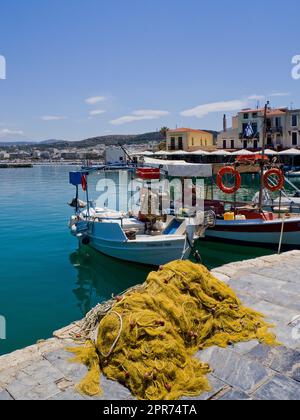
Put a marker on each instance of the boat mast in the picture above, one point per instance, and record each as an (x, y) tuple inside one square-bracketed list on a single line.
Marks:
[(262, 165)]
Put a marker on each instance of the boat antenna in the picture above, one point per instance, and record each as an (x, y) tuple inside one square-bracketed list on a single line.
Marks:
[(262, 164)]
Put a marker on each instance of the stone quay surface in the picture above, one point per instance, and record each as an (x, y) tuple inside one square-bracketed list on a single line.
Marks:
[(247, 371)]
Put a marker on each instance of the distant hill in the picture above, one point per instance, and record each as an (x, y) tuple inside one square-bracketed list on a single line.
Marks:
[(51, 141), (114, 140), (16, 143), (109, 140)]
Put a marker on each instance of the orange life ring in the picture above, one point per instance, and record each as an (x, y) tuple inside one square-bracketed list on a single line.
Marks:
[(280, 183), (233, 172), (84, 182)]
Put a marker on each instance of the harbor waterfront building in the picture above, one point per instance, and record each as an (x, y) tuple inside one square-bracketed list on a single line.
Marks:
[(283, 130), (189, 140)]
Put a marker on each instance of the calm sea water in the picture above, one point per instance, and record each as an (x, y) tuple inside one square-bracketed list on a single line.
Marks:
[(45, 281)]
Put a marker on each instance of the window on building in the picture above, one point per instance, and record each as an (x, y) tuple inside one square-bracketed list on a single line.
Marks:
[(294, 120), (193, 143), (295, 139), (180, 143), (278, 122), (205, 142), (255, 128), (232, 144), (246, 116), (173, 145), (245, 144), (255, 144), (269, 141), (254, 115), (224, 144)]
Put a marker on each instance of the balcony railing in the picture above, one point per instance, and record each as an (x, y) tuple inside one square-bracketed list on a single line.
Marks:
[(275, 130), (254, 137)]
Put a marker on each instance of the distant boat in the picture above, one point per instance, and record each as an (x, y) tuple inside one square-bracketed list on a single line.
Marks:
[(293, 174)]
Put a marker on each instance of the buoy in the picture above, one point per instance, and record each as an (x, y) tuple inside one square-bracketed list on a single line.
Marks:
[(231, 171), (274, 186)]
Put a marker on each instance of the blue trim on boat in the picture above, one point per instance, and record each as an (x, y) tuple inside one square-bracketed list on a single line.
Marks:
[(173, 227)]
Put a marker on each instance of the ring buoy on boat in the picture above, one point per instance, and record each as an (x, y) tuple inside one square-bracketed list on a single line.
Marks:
[(228, 170), (274, 186), (84, 182)]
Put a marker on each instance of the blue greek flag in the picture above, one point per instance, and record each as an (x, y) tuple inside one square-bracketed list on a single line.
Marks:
[(249, 132)]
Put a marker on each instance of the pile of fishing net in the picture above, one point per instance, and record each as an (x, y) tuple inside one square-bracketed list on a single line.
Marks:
[(149, 338)]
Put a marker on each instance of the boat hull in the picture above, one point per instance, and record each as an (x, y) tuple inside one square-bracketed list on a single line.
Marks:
[(109, 239), (152, 253), (257, 232)]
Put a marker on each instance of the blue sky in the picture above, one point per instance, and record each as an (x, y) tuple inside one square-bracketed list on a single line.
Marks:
[(144, 63)]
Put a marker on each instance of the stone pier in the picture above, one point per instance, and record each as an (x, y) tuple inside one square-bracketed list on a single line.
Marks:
[(247, 371)]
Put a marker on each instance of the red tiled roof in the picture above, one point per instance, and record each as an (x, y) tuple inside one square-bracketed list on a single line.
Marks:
[(187, 130), (272, 111)]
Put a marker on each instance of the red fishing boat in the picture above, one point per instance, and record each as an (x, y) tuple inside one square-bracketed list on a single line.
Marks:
[(251, 223)]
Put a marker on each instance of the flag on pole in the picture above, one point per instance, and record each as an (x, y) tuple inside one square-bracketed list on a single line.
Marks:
[(249, 132)]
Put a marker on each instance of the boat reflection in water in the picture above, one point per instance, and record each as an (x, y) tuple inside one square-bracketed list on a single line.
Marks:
[(100, 276)]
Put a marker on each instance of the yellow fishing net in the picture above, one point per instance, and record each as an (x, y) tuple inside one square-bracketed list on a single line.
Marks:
[(149, 339)]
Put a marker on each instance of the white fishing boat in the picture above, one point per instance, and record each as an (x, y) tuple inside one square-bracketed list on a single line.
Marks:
[(293, 174), (141, 238)]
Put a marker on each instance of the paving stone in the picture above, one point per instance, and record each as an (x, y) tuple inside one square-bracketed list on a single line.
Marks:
[(234, 394), (216, 387), (245, 348), (281, 272), (43, 371), (281, 359), (235, 370), (247, 300), (220, 276), (275, 313), (274, 291), (4, 396), (68, 395), (61, 360), (113, 390), (285, 335), (279, 388), (24, 387), (40, 392)]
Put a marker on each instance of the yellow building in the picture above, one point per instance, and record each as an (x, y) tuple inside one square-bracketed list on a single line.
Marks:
[(189, 140)]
